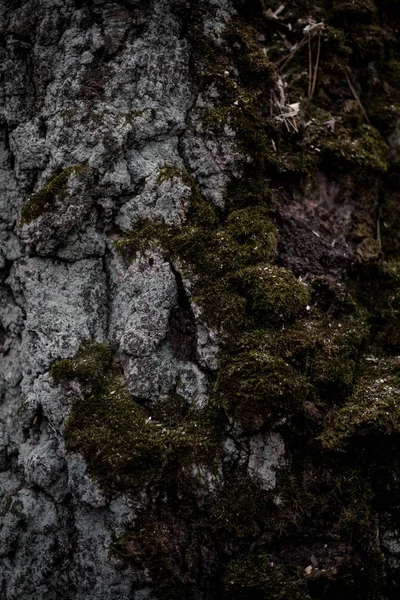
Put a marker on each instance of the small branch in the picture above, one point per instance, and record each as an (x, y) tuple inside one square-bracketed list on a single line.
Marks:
[(289, 56), (378, 231), (316, 66), (310, 31), (357, 99), (310, 69)]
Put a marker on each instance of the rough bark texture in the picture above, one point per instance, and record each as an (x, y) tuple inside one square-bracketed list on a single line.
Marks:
[(200, 296)]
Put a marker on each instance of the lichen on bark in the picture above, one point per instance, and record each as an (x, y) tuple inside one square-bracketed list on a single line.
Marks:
[(237, 247)]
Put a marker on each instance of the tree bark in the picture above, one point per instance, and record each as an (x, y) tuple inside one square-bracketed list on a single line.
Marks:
[(199, 281)]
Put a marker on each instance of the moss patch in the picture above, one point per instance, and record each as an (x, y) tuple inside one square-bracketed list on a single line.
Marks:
[(258, 387), (125, 448), (257, 576), (374, 407), (214, 250), (274, 295), (43, 200)]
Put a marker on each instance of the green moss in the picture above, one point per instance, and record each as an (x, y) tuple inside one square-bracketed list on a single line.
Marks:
[(212, 250), (336, 358), (257, 576), (243, 116), (242, 510), (354, 7), (274, 295), (249, 190), (254, 66), (132, 115), (373, 408), (174, 570), (124, 447), (143, 235), (43, 200), (350, 146), (365, 149), (378, 290), (93, 362), (324, 349), (168, 172), (253, 233), (258, 387)]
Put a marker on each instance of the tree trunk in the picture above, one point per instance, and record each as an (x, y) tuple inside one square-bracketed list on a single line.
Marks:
[(200, 299)]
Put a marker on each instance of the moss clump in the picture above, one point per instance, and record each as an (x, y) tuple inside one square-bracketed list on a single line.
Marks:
[(132, 115), (168, 172), (124, 447), (257, 386), (354, 7), (337, 354), (242, 510), (43, 200), (274, 295), (378, 290), (374, 407), (249, 191), (143, 235), (365, 149), (253, 64), (212, 250), (162, 548), (92, 363), (257, 576), (253, 233), (324, 349)]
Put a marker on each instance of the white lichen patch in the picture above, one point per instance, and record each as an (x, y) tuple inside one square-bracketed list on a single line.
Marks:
[(267, 453)]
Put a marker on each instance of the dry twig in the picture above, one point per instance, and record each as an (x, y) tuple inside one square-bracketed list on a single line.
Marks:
[(310, 69), (378, 231), (310, 31), (316, 67), (357, 99), (288, 116)]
